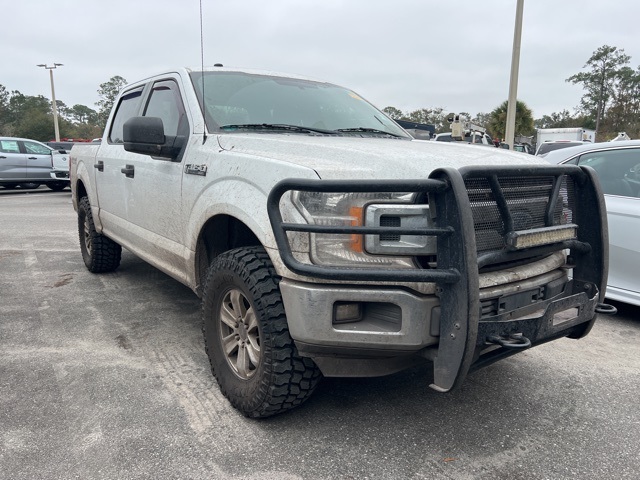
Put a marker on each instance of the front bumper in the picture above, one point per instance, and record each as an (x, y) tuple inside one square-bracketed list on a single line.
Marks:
[(61, 175), (398, 323), (456, 328)]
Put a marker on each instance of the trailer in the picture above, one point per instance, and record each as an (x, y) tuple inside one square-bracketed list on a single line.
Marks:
[(572, 134)]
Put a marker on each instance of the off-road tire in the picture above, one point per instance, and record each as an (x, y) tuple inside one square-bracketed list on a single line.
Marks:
[(279, 378), (100, 254)]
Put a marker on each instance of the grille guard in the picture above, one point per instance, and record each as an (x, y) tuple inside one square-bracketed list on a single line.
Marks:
[(458, 262)]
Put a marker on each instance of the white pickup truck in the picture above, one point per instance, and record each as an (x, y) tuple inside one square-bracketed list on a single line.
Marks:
[(324, 240)]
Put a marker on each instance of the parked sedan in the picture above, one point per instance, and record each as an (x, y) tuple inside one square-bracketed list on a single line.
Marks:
[(28, 162), (618, 167)]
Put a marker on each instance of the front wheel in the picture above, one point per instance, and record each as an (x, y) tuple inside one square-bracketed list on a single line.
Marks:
[(100, 254), (57, 186), (247, 338)]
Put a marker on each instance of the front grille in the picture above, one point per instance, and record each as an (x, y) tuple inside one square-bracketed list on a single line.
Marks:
[(525, 202)]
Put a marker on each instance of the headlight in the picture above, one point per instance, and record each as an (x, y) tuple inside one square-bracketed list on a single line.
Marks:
[(345, 209)]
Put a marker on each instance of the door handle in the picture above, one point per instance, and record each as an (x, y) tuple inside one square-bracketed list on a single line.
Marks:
[(3, 156), (32, 158), (128, 171), (99, 166)]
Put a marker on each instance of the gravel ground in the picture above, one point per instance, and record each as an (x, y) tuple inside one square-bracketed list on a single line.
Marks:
[(105, 377)]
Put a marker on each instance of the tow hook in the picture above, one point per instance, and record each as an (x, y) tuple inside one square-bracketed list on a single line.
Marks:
[(512, 341), (606, 309)]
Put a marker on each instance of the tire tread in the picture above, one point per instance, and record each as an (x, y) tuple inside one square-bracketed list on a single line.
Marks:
[(292, 378), (106, 254)]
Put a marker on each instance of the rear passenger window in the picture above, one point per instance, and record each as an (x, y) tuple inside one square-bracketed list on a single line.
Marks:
[(9, 146), (128, 107)]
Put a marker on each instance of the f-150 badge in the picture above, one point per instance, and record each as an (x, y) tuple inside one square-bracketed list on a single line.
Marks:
[(195, 170)]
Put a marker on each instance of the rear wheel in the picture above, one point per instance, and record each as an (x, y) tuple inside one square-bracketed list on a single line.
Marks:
[(247, 338), (9, 186), (100, 254), (30, 185)]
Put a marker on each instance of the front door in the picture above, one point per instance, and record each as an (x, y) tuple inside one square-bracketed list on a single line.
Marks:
[(39, 160)]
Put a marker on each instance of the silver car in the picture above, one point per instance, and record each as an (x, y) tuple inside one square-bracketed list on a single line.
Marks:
[(618, 167), (28, 162)]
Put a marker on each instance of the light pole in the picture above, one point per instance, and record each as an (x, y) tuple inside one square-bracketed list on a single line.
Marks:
[(513, 81), (53, 97)]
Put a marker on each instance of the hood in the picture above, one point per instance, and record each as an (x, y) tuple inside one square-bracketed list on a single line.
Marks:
[(336, 158)]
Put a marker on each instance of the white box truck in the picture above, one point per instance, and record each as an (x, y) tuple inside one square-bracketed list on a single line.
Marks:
[(574, 134)]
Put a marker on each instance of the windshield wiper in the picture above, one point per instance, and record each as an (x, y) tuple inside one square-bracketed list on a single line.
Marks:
[(368, 130), (277, 126)]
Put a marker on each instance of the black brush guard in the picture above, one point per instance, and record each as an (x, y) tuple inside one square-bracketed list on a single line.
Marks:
[(469, 340)]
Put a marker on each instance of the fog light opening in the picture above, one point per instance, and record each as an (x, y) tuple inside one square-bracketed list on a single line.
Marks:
[(344, 312)]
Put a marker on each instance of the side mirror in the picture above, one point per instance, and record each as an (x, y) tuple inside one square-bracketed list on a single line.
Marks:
[(145, 135)]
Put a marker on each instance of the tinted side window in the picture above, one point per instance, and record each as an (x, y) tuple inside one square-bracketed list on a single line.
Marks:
[(618, 170), (127, 108), (165, 102), (36, 148)]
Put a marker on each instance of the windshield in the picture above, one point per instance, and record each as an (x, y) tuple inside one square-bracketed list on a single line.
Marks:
[(549, 147), (241, 99)]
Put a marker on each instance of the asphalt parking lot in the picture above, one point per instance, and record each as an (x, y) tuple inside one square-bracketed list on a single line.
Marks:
[(105, 377)]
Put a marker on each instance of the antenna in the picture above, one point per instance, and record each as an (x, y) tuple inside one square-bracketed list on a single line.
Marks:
[(204, 131)]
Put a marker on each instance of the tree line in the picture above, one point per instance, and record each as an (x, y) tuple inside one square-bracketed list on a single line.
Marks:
[(610, 103), (30, 116)]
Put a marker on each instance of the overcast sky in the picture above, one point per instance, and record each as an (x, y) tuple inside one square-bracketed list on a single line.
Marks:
[(408, 54)]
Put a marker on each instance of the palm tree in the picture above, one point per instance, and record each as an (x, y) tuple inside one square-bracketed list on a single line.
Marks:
[(524, 120)]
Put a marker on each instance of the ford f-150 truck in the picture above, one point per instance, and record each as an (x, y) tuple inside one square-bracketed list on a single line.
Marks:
[(324, 240)]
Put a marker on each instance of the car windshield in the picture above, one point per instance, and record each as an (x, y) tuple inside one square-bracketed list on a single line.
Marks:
[(264, 103)]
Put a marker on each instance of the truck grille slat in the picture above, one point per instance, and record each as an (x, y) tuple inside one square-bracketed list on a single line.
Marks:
[(527, 201)]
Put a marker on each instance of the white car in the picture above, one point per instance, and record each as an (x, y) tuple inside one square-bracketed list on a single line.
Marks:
[(618, 167)]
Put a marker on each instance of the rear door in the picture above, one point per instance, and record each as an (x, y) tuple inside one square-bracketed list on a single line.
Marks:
[(110, 181), (13, 163)]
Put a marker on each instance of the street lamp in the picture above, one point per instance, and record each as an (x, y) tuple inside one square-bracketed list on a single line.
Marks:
[(513, 81), (53, 97)]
